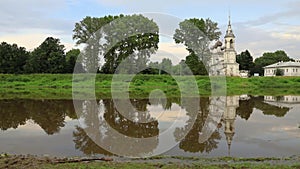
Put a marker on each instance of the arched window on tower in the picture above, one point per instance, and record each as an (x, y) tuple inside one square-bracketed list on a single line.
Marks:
[(231, 43)]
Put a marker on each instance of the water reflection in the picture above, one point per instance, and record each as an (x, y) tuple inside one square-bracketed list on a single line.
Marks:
[(48, 114), (51, 115)]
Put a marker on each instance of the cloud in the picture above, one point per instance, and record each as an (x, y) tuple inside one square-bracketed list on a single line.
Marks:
[(28, 23), (259, 40), (288, 10), (175, 52), (17, 16), (286, 36), (277, 31)]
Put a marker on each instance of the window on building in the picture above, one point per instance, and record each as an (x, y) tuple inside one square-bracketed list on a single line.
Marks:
[(287, 70)]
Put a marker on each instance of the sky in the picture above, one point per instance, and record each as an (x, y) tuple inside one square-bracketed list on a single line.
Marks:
[(259, 26)]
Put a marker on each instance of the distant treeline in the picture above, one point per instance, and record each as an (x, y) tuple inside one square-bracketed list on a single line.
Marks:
[(49, 57)]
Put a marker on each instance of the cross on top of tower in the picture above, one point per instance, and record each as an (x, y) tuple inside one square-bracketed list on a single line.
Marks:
[(229, 17)]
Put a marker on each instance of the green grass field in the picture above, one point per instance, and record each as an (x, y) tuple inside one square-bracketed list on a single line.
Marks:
[(59, 86)]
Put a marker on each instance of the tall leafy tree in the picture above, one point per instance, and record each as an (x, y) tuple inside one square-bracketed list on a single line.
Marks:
[(49, 57), (87, 32), (195, 64), (86, 29), (124, 37), (133, 38), (245, 60), (12, 58), (196, 34)]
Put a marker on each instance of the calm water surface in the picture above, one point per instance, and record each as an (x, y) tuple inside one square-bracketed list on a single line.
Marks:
[(249, 126)]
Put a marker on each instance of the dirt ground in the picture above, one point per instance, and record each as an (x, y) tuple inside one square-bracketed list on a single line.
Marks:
[(28, 161)]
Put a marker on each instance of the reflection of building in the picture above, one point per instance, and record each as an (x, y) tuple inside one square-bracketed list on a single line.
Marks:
[(287, 69), (232, 102), (282, 99), (225, 55)]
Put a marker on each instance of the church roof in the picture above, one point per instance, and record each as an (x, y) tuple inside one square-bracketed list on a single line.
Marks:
[(284, 64), (229, 32)]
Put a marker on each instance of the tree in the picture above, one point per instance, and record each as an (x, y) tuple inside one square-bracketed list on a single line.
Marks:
[(245, 60), (49, 57), (87, 28), (196, 35), (133, 36), (195, 64), (166, 66), (88, 32), (12, 58), (153, 68), (268, 59), (71, 59)]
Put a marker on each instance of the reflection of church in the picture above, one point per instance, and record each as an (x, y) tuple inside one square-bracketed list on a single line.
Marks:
[(223, 60), (228, 119)]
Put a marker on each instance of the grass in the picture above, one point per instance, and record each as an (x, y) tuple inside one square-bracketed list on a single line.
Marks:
[(19, 161), (59, 86), (130, 165)]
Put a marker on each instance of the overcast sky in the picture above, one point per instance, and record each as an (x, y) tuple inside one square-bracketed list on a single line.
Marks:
[(259, 26)]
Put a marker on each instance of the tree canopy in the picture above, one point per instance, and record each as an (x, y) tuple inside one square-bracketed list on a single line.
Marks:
[(245, 60), (132, 37), (49, 57), (12, 58), (196, 34)]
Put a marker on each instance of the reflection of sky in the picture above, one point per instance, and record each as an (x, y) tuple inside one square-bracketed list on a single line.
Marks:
[(268, 135), (168, 121), (31, 139), (167, 117)]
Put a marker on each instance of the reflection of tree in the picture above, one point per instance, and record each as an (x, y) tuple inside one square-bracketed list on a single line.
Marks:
[(127, 127), (12, 114), (85, 144), (190, 142), (269, 109), (49, 114), (103, 121), (246, 108)]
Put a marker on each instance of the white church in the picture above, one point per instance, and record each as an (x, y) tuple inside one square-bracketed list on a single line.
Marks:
[(223, 61)]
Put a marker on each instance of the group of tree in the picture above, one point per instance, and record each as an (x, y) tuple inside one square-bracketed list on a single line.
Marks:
[(189, 66), (49, 57), (246, 61)]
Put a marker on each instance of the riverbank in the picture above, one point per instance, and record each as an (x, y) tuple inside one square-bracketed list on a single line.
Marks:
[(19, 161), (59, 86)]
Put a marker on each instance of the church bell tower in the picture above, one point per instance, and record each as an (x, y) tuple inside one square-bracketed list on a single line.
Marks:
[(230, 64)]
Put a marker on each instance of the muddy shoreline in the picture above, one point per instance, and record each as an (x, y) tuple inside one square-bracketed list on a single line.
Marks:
[(30, 161)]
